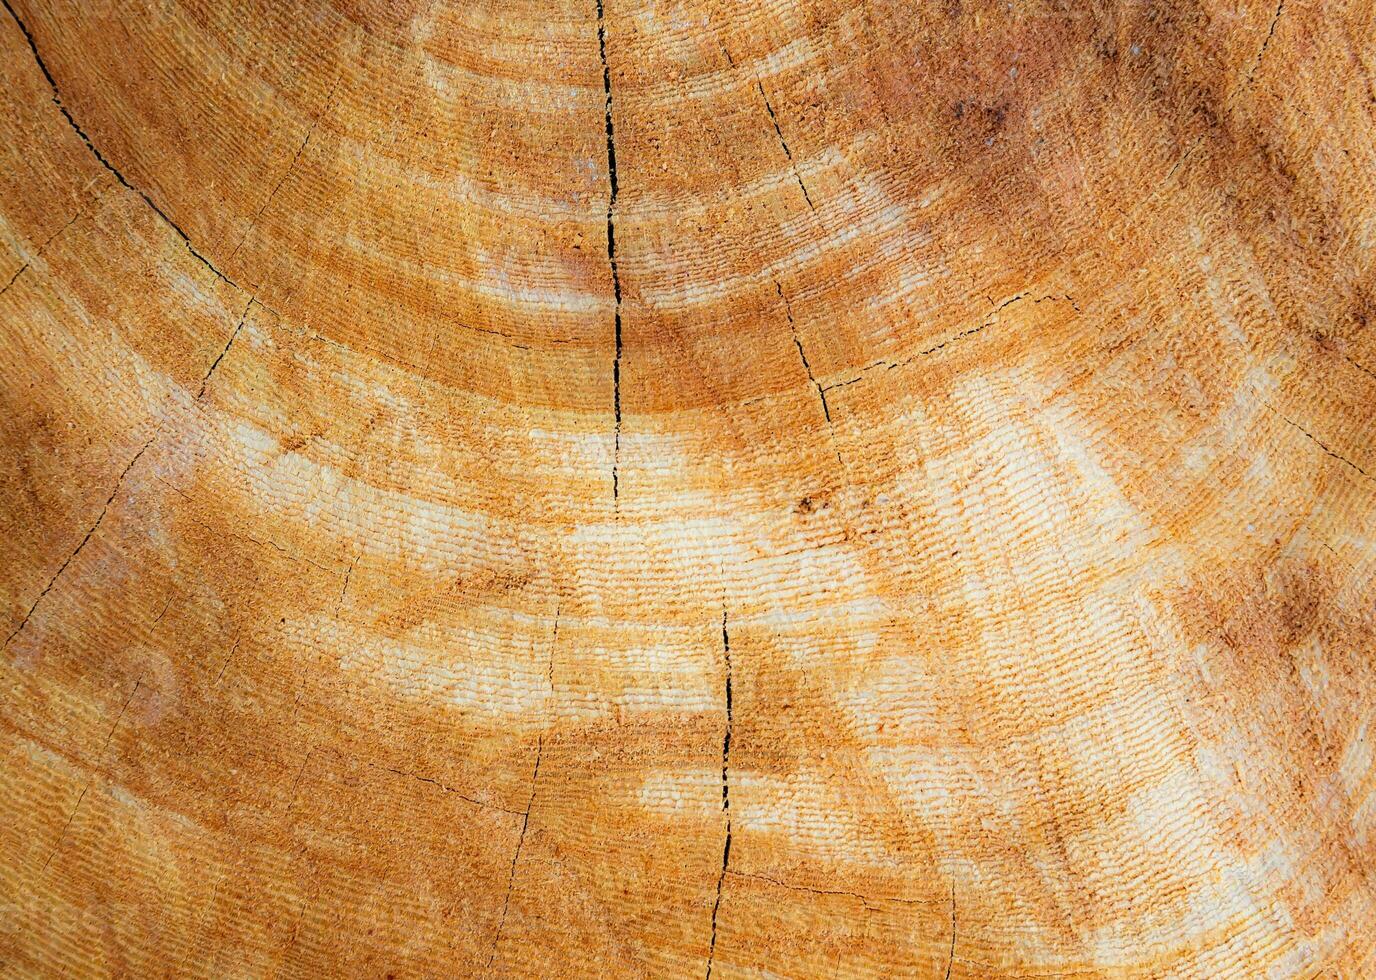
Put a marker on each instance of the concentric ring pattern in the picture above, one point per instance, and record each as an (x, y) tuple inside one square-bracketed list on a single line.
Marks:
[(678, 487)]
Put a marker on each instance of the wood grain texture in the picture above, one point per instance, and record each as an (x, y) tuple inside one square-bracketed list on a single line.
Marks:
[(688, 488)]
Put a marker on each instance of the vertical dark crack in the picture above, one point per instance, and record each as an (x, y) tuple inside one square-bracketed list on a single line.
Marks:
[(725, 793), (951, 956), (516, 857), (802, 355), (611, 247), (348, 574), (784, 143), (726, 735), (72, 557), (100, 157)]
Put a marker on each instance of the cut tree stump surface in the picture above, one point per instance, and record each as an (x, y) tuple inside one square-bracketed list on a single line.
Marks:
[(637, 488)]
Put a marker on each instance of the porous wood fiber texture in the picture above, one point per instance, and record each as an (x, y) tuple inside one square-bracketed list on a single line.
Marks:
[(646, 488)]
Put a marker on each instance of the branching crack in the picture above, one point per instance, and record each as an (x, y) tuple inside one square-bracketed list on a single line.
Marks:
[(611, 248), (72, 557), (100, 157), (725, 793), (516, 857)]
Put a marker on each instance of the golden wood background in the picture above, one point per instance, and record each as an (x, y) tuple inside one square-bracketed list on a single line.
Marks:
[(686, 488)]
